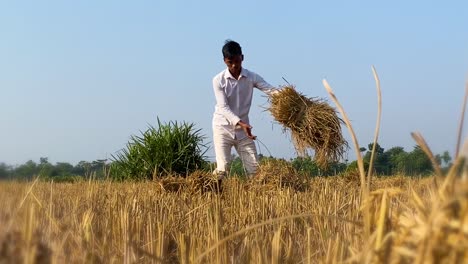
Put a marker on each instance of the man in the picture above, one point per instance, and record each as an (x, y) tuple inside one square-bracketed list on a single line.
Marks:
[(233, 89)]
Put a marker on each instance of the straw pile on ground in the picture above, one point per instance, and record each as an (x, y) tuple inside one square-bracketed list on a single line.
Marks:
[(172, 184), (202, 182), (197, 182), (313, 124), (274, 174)]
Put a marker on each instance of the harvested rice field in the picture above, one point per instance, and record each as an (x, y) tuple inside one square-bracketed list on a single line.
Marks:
[(314, 220)]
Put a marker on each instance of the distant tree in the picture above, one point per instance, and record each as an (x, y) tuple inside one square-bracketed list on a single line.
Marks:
[(438, 159), (378, 148), (27, 170), (381, 161), (43, 160), (5, 171), (45, 168), (305, 165), (98, 168), (236, 167), (446, 158), (418, 162), (396, 159), (444, 161), (353, 166), (62, 169), (335, 168), (309, 167), (83, 168), (395, 151), (401, 164)]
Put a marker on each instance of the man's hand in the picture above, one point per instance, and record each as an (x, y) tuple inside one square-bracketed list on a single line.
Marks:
[(247, 129), (275, 92)]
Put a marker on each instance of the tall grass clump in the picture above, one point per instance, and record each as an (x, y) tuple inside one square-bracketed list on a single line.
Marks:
[(168, 149)]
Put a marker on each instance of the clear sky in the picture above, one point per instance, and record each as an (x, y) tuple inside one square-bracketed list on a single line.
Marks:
[(78, 78)]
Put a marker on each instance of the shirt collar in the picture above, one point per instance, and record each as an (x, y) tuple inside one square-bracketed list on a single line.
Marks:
[(242, 74)]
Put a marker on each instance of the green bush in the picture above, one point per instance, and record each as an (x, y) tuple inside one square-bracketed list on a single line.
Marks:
[(167, 149), (63, 178)]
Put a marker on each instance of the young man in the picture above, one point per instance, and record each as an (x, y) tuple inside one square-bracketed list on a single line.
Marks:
[(233, 89)]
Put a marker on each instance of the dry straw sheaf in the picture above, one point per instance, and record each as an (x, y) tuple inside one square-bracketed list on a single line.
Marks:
[(172, 184), (313, 124), (196, 183), (274, 174), (202, 182)]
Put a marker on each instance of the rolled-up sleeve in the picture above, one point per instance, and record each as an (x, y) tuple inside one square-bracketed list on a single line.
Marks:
[(222, 103)]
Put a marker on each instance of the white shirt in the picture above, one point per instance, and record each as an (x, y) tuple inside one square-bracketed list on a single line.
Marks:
[(234, 98)]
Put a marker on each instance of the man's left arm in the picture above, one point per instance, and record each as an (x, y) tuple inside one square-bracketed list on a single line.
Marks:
[(263, 86)]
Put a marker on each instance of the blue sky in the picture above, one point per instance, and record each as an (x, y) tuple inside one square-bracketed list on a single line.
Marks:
[(78, 78)]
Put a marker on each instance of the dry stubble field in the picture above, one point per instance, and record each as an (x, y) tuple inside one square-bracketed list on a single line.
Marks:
[(108, 222)]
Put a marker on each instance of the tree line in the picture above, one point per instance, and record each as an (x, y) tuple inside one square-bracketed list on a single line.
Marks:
[(397, 161), (60, 171), (386, 162), (394, 161)]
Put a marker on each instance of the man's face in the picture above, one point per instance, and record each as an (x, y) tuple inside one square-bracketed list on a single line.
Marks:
[(234, 64)]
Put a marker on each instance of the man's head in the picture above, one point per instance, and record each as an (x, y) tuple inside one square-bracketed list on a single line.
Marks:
[(233, 57)]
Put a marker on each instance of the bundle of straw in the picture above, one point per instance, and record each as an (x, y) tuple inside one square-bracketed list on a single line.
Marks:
[(202, 182), (313, 124), (274, 174), (172, 184)]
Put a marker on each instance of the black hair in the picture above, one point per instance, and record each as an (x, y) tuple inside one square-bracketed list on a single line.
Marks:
[(231, 49)]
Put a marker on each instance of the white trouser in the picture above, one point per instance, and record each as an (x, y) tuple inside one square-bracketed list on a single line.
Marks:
[(223, 143)]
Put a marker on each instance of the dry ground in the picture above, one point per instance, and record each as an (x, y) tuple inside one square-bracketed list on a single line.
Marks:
[(108, 222)]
